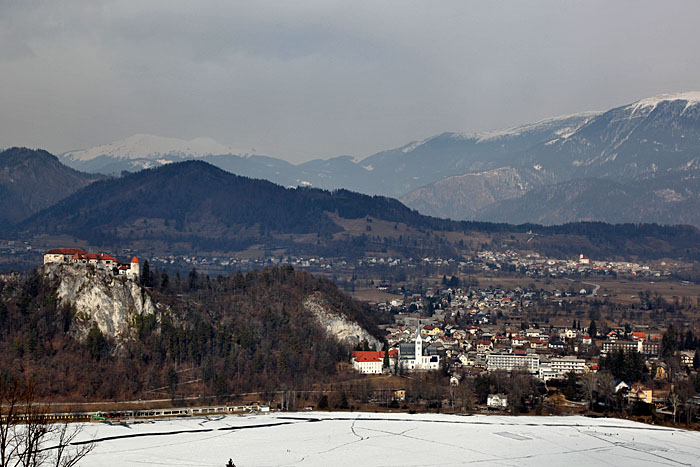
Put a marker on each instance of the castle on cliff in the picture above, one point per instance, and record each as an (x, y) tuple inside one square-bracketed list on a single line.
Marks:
[(103, 261)]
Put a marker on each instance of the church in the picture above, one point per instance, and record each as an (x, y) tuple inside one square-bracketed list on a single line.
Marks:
[(417, 357)]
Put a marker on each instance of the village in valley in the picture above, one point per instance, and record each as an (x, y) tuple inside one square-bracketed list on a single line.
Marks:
[(586, 347)]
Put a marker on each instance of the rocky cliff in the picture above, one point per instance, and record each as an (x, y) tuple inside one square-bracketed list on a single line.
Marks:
[(100, 298), (338, 325), (462, 196)]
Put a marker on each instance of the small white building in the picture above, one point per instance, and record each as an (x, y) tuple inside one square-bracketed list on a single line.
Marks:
[(497, 401)]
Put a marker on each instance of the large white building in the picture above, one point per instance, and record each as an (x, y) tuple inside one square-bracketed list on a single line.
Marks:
[(568, 364), (372, 362), (512, 362)]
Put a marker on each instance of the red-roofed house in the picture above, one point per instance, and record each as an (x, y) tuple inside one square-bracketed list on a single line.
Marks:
[(484, 345), (372, 362), (61, 255)]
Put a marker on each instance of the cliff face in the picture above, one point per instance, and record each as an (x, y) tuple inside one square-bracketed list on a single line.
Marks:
[(100, 298), (462, 196), (338, 325)]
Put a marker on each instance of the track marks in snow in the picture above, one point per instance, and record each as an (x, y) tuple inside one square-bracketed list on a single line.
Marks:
[(637, 447)]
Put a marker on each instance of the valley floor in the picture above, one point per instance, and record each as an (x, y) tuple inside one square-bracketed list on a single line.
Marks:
[(378, 439)]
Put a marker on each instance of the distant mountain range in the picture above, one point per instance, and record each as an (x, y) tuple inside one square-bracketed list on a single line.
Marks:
[(390, 173), (512, 175)]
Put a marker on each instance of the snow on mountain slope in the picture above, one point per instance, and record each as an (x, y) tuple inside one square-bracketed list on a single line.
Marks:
[(650, 103), (570, 124), (558, 126), (151, 147)]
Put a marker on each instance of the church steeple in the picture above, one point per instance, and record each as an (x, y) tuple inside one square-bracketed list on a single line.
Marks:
[(419, 348)]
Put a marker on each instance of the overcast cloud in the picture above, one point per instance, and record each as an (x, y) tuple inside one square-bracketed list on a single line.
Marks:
[(309, 79)]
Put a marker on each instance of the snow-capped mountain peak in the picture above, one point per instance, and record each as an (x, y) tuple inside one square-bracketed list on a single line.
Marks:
[(650, 103), (143, 146)]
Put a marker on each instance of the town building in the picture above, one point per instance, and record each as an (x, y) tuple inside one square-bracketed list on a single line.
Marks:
[(512, 362), (641, 346), (568, 364)]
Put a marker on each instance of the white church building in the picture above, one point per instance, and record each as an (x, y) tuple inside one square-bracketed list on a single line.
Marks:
[(417, 357)]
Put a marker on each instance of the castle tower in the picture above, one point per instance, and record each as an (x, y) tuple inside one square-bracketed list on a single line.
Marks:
[(135, 269)]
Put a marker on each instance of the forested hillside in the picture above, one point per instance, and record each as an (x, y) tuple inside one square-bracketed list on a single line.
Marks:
[(210, 337), (194, 199), (33, 180)]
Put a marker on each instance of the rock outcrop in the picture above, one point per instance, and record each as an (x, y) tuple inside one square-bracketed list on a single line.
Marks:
[(338, 325), (100, 298)]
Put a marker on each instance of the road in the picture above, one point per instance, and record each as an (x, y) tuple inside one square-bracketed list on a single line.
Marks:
[(596, 287)]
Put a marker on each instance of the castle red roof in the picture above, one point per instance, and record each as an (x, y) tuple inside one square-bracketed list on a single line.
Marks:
[(134, 259), (65, 251)]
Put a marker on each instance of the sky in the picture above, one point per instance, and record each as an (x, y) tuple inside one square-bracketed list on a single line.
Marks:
[(301, 80)]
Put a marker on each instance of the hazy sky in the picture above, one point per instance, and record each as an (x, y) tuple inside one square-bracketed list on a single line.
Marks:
[(307, 79)]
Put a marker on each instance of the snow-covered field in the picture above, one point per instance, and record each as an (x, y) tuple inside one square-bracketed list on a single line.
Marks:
[(369, 439)]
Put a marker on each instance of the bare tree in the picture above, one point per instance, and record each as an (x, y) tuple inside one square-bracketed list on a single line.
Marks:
[(27, 439), (465, 396), (589, 381), (31, 434), (10, 399), (606, 387), (67, 452), (675, 401)]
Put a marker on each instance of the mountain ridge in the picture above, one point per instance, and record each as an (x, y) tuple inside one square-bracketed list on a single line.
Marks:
[(452, 174), (31, 180)]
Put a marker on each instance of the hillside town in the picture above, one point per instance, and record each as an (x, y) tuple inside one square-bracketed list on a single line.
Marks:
[(474, 332)]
